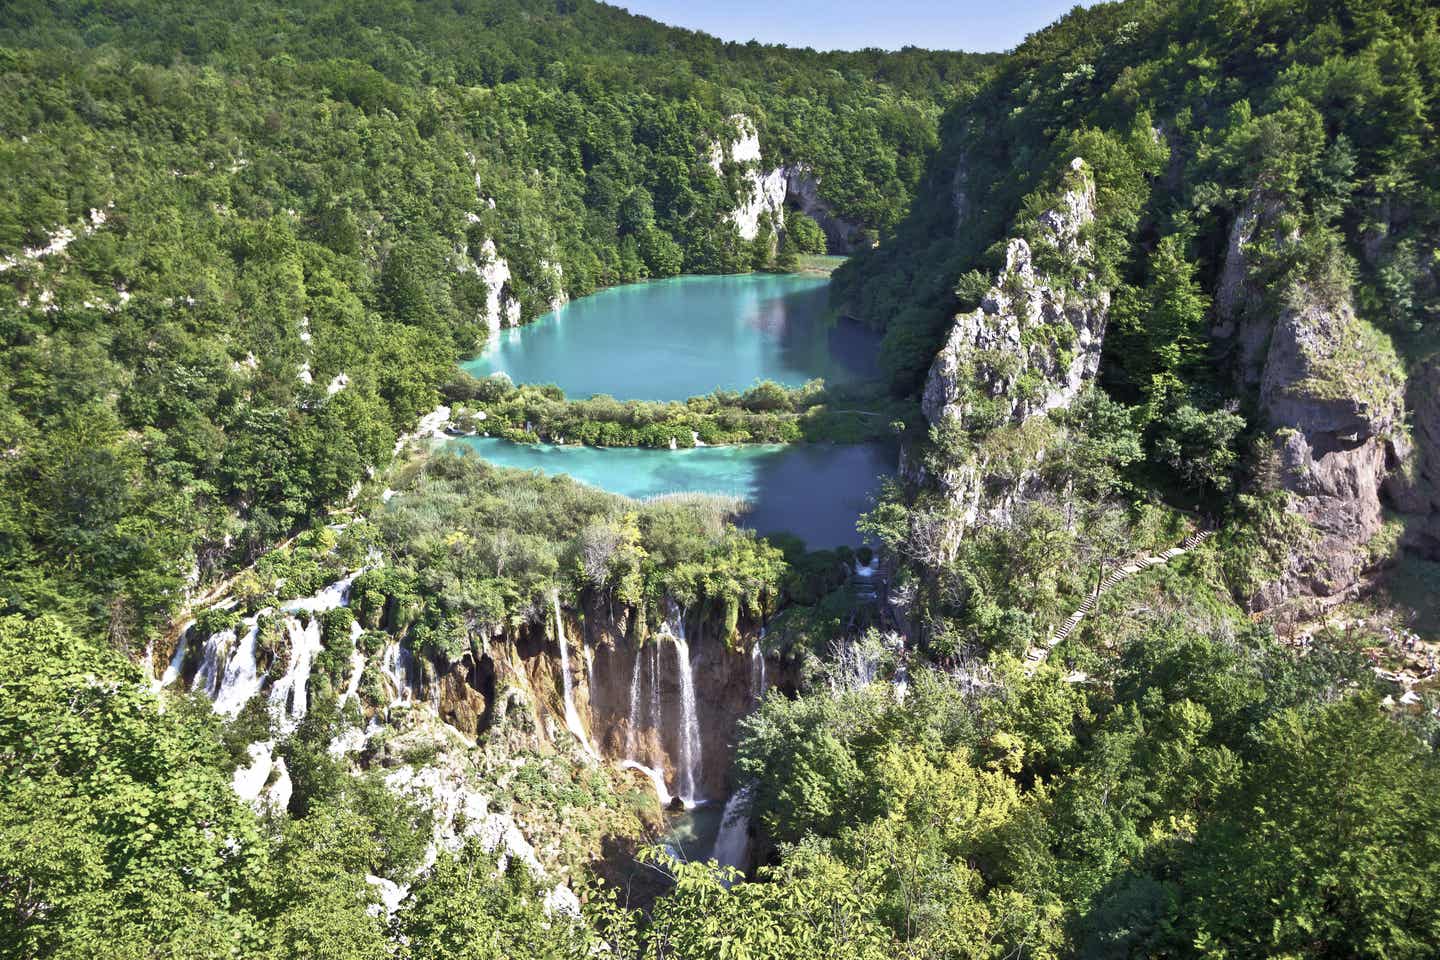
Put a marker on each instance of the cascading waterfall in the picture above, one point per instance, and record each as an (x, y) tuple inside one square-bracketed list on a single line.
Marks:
[(177, 659), (357, 666), (632, 732), (212, 658), (690, 746), (290, 691), (572, 716), (398, 664), (902, 675), (732, 843), (289, 696), (242, 677), (656, 778)]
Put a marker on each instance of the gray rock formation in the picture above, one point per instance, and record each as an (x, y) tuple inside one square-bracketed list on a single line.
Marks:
[(1031, 346), (1332, 391), (802, 189), (1034, 341)]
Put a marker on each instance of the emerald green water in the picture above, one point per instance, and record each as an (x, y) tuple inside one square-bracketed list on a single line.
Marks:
[(672, 339), (677, 338)]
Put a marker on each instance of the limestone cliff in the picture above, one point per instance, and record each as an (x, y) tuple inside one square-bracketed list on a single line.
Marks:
[(802, 190), (765, 192), (632, 696), (1332, 392), (1031, 345), (762, 191), (1329, 390)]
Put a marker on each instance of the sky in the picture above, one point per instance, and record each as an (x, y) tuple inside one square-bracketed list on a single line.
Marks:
[(974, 25)]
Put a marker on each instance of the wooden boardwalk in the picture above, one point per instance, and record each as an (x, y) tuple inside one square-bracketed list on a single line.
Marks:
[(1036, 654)]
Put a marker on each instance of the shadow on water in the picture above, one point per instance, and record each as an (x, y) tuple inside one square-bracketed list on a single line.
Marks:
[(839, 349), (818, 491), (814, 491)]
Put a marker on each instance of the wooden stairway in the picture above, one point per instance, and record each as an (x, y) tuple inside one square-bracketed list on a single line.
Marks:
[(1036, 655)]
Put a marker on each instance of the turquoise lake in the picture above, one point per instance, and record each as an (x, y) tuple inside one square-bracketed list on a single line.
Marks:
[(678, 338), (815, 491)]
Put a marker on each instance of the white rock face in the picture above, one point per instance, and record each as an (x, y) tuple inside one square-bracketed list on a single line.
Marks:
[(767, 196), (765, 190), (557, 276), (431, 426), (461, 812), (501, 307), (57, 242)]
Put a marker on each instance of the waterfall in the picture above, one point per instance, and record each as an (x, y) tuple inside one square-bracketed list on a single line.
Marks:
[(242, 677), (732, 843), (357, 667), (290, 691), (656, 778), (398, 664), (757, 670), (212, 659), (572, 716), (177, 659), (657, 719), (690, 746), (902, 675), (632, 733), (289, 696)]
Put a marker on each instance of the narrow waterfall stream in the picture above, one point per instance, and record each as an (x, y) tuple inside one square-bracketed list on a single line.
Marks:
[(757, 669), (732, 843), (632, 731), (572, 716), (690, 745), (242, 677)]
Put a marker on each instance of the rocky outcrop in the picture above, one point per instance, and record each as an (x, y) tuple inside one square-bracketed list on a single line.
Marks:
[(502, 307), (1243, 317), (1330, 391), (762, 192), (766, 193), (1034, 341), (1031, 346), (629, 693)]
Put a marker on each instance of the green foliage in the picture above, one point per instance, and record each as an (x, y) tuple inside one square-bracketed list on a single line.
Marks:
[(802, 233), (765, 413), (120, 828), (287, 195), (489, 545)]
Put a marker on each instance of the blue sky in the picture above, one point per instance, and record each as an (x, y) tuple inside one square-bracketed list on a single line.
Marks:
[(852, 24)]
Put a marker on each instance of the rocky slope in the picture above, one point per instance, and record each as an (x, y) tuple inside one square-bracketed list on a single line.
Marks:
[(1330, 394), (1030, 347)]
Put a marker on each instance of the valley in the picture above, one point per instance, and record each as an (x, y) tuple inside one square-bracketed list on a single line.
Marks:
[(518, 480)]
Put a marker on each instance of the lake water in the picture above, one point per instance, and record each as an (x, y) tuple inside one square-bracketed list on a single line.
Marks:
[(815, 491), (677, 338), (686, 336)]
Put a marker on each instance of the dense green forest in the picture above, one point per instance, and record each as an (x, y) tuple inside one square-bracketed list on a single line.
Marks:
[(1160, 291), (265, 197)]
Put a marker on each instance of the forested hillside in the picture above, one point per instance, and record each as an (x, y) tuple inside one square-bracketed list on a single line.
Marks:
[(244, 244), (1140, 660)]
